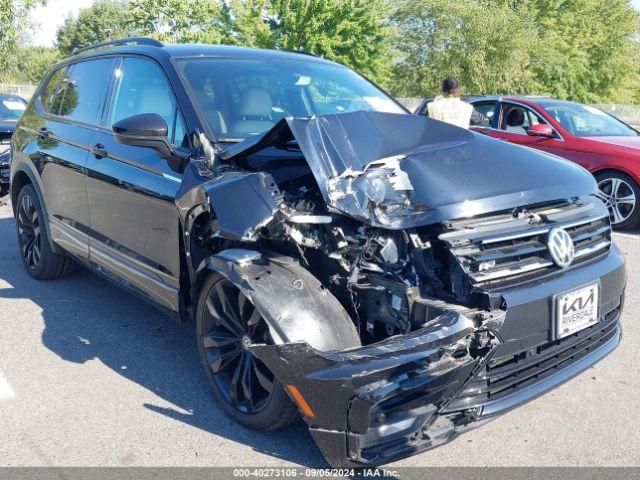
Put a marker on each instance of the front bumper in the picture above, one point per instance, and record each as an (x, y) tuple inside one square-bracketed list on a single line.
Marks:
[(409, 393)]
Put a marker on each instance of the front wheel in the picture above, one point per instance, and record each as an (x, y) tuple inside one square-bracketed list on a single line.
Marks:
[(621, 194), (227, 323)]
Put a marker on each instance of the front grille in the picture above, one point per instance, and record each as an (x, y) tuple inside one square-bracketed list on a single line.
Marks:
[(508, 247), (4, 174), (505, 375)]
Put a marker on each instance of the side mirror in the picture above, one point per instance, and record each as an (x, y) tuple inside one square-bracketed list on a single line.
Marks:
[(144, 130), (541, 130)]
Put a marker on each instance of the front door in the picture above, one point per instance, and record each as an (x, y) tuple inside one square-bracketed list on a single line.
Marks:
[(513, 124), (131, 190)]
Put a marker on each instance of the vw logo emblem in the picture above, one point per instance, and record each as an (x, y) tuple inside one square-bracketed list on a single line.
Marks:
[(561, 247)]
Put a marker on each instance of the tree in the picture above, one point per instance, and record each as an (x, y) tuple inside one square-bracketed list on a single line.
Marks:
[(485, 44), (584, 50), (30, 64), (353, 32), (14, 23), (587, 49), (179, 21), (104, 20)]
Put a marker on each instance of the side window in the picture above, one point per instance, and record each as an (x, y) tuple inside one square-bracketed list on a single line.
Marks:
[(518, 119), (52, 92), (143, 88), (84, 89), (486, 111)]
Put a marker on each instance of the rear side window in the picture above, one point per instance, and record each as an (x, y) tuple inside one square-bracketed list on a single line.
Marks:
[(79, 91), (85, 89), (143, 88), (52, 93), (486, 110)]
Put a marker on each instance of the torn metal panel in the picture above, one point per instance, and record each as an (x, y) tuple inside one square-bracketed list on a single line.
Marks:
[(241, 202), (295, 305), (431, 171)]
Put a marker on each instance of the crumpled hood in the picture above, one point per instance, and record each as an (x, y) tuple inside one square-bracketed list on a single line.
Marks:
[(401, 171)]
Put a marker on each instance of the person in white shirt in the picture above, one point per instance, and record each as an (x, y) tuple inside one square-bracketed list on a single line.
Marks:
[(448, 107)]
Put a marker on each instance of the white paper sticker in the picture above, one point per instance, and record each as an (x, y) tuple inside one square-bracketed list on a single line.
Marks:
[(303, 81)]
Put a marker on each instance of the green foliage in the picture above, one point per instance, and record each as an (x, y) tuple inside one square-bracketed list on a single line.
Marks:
[(352, 32), (178, 21), (104, 20), (30, 64), (584, 50), (484, 44), (14, 24), (587, 49)]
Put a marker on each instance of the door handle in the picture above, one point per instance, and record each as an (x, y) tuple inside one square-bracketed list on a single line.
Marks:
[(44, 133), (99, 151)]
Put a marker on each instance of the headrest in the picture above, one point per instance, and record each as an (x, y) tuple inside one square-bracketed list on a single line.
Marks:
[(256, 102), (515, 118)]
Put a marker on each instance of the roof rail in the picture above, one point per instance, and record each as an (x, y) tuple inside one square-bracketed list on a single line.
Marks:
[(122, 41), (301, 52)]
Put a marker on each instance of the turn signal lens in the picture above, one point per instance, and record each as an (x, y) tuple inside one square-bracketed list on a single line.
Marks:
[(300, 401)]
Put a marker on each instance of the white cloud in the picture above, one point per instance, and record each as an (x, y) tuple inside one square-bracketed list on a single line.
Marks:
[(51, 16)]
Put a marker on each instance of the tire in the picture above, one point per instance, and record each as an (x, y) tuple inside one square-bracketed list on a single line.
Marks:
[(621, 195), (35, 250), (226, 322)]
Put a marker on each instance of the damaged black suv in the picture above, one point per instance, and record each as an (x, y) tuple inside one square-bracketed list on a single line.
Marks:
[(392, 279)]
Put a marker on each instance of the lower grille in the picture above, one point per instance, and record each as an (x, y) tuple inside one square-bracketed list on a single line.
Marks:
[(4, 174), (506, 375)]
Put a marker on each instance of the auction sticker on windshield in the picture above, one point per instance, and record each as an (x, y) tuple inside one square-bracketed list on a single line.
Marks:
[(576, 310)]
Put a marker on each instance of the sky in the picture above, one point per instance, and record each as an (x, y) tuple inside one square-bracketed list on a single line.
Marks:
[(50, 17)]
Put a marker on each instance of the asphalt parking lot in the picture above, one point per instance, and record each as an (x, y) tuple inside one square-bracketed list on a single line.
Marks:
[(92, 376)]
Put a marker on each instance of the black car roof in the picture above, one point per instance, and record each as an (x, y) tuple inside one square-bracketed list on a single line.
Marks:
[(158, 50)]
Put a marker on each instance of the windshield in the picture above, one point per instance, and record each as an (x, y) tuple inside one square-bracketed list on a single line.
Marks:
[(588, 121), (11, 108), (240, 98)]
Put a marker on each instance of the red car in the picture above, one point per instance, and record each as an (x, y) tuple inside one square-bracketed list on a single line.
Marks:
[(604, 145)]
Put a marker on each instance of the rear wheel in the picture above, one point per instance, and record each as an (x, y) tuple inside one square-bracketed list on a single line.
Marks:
[(227, 323), (621, 195), (35, 250)]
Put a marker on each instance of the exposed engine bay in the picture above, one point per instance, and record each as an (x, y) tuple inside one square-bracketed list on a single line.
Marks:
[(358, 221)]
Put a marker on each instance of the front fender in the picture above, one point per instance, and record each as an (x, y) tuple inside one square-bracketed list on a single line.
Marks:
[(293, 302)]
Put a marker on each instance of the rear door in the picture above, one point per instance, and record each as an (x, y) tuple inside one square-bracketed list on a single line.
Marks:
[(131, 190), (485, 116), (71, 106)]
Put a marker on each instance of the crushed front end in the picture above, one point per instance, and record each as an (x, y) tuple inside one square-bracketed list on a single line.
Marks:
[(410, 291), (459, 366)]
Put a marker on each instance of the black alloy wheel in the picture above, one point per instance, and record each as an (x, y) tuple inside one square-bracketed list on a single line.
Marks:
[(228, 323), (37, 255), (29, 233)]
